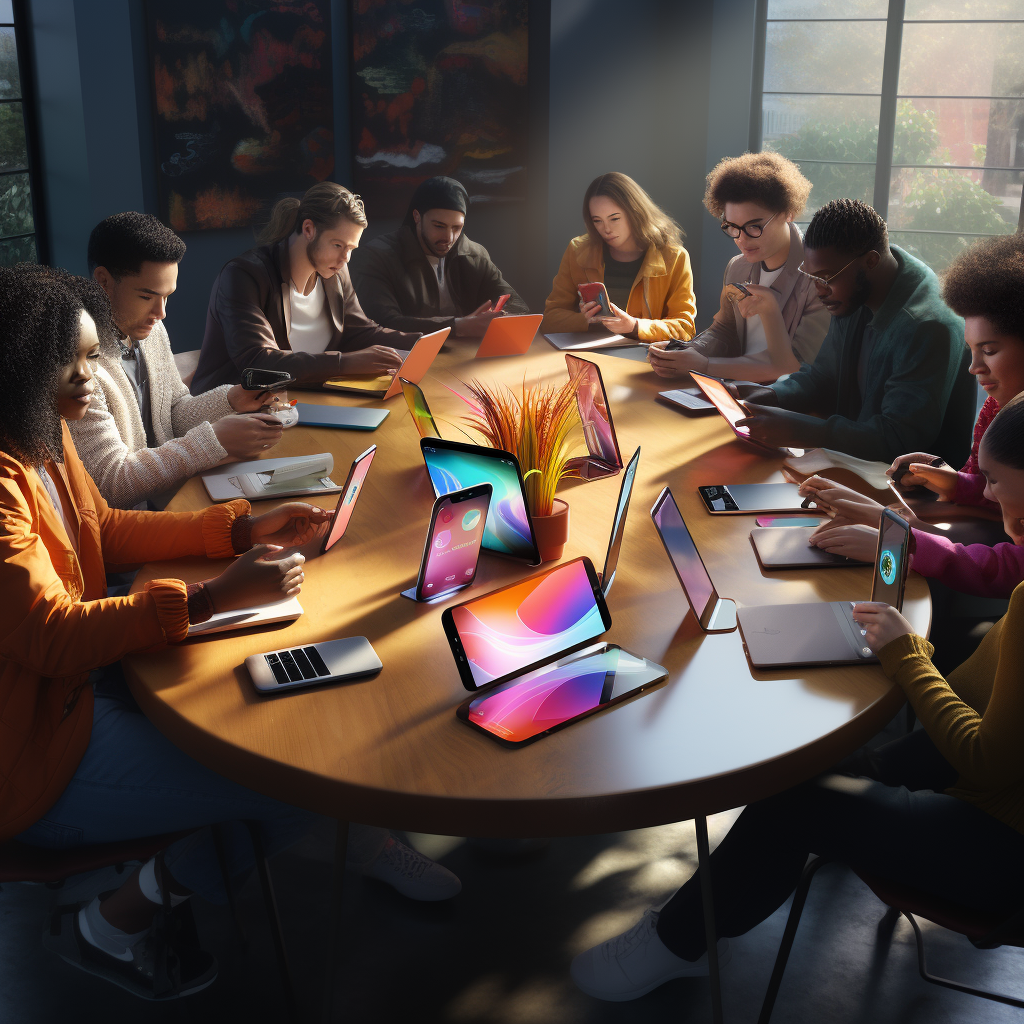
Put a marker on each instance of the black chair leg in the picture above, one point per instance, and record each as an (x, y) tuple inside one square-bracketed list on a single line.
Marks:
[(222, 860), (955, 985), (788, 936), (273, 919)]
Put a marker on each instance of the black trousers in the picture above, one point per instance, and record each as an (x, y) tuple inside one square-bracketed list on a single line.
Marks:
[(883, 813)]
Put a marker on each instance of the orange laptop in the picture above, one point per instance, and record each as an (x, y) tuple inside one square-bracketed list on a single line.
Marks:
[(415, 367), (509, 335)]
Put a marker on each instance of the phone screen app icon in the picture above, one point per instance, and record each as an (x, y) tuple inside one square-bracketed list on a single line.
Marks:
[(888, 564), (443, 539), (470, 520)]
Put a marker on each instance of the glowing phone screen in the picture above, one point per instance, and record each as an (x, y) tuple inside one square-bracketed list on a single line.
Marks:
[(455, 545), (347, 498)]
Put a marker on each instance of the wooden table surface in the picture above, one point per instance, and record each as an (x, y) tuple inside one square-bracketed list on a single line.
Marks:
[(389, 751)]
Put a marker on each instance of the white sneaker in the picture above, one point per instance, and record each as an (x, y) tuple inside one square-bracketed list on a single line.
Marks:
[(412, 874), (635, 963)]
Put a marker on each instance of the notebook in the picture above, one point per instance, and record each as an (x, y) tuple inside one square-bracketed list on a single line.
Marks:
[(580, 340), (343, 417), (242, 618)]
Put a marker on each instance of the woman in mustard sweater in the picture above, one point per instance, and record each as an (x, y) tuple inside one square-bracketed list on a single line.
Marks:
[(941, 808), (634, 249), (79, 763)]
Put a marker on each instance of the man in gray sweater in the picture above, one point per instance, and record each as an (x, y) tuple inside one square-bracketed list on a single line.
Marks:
[(144, 433)]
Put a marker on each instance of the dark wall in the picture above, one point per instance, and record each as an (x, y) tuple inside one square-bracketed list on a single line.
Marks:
[(659, 89)]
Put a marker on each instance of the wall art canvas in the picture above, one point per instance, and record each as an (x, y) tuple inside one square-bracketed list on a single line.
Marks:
[(439, 87), (243, 105)]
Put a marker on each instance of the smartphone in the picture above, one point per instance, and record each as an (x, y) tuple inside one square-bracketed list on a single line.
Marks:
[(347, 499), (422, 418), (897, 477), (500, 304), (892, 557), (520, 627), (740, 287), (255, 379), (595, 291), (453, 542), (334, 661), (560, 693)]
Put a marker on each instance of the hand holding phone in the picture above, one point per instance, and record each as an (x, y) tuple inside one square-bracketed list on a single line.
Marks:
[(255, 379), (500, 304), (740, 288), (595, 291)]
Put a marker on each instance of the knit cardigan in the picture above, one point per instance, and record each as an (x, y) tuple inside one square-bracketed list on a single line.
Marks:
[(111, 439)]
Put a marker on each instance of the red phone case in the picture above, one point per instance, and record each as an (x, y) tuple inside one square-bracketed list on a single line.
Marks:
[(595, 291)]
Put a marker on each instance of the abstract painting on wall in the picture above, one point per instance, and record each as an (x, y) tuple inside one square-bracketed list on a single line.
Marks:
[(439, 87), (243, 105)]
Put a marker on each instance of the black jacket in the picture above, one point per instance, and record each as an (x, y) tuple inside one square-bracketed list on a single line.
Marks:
[(397, 286)]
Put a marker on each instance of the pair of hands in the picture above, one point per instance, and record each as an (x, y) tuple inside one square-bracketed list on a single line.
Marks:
[(620, 322), (475, 325), (257, 577)]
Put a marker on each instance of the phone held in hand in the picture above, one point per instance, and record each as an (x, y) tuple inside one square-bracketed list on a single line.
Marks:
[(255, 379), (500, 304), (595, 291), (741, 288)]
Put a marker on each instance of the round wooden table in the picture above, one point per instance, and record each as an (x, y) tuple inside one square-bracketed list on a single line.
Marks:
[(389, 751)]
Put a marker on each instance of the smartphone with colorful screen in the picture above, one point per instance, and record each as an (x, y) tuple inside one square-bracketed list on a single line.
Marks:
[(347, 500), (422, 418), (560, 693), (596, 416), (452, 548), (731, 411), (517, 628)]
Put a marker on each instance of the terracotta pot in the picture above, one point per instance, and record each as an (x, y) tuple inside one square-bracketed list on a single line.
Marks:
[(551, 532)]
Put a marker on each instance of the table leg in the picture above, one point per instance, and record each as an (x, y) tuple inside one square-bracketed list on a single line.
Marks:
[(708, 902), (332, 975)]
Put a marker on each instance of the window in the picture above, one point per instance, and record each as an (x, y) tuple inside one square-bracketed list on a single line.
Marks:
[(913, 106), (19, 220)]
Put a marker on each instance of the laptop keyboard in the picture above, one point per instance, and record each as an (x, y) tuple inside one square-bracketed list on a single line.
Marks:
[(300, 663)]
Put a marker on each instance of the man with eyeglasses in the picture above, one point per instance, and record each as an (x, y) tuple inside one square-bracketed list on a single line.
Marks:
[(891, 375)]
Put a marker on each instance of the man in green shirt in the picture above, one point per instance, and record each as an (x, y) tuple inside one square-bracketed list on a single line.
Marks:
[(891, 375)]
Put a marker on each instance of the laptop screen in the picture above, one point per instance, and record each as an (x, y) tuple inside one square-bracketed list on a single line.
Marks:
[(686, 560)]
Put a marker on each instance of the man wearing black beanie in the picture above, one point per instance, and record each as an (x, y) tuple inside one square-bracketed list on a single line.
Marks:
[(428, 274)]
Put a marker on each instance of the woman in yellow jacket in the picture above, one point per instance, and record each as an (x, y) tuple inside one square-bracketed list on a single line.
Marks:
[(634, 249)]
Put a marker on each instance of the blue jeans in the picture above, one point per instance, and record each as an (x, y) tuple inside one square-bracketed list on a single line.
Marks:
[(134, 782)]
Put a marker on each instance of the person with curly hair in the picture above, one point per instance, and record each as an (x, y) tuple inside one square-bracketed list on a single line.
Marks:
[(144, 433), (941, 809), (289, 304), (635, 249), (891, 375), (770, 319), (79, 764)]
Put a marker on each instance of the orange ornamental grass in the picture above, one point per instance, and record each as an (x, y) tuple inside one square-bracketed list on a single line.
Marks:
[(535, 423)]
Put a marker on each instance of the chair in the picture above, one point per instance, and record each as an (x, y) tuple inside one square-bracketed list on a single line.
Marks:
[(22, 863), (984, 930), (186, 362)]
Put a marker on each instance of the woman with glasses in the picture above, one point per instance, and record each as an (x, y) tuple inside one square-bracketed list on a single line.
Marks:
[(634, 248), (780, 322)]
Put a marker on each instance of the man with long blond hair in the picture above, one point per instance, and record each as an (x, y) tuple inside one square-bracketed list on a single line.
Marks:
[(289, 304)]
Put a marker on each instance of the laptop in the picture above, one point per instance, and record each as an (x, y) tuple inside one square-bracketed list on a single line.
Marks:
[(509, 335), (826, 633), (789, 549), (713, 613), (687, 399), (596, 416), (386, 385), (718, 395), (611, 558)]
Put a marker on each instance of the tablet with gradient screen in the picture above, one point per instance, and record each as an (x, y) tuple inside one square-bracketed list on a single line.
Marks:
[(718, 395), (592, 402), (518, 627), (454, 466), (550, 697)]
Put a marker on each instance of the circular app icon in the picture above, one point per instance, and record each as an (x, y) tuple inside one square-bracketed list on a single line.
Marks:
[(446, 516), (888, 564), (470, 519), (443, 539)]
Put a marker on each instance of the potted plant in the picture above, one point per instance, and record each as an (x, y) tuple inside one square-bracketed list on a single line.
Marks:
[(535, 423)]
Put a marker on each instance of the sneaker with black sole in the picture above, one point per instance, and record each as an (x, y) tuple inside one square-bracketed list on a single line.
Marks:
[(157, 968), (636, 962)]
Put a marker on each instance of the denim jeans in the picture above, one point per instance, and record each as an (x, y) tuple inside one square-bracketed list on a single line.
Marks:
[(134, 782), (883, 813)]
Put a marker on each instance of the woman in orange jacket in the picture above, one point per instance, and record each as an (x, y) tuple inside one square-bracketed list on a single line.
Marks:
[(79, 764), (634, 249)]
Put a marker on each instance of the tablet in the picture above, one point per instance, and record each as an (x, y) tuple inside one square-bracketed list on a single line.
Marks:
[(344, 417), (509, 335), (414, 368), (742, 499), (596, 416), (788, 549), (453, 466), (718, 395)]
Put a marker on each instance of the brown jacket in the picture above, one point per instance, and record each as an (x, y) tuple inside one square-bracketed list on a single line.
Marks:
[(806, 319), (398, 287), (250, 313)]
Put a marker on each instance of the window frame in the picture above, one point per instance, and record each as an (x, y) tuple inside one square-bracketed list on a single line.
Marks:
[(888, 96), (29, 108)]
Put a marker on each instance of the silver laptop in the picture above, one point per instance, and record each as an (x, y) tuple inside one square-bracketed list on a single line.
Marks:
[(611, 559), (787, 547), (826, 633)]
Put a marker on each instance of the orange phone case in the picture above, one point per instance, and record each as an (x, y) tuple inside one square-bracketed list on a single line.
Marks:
[(509, 335)]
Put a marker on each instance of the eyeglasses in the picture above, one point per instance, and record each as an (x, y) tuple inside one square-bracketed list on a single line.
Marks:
[(750, 229), (826, 282)]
